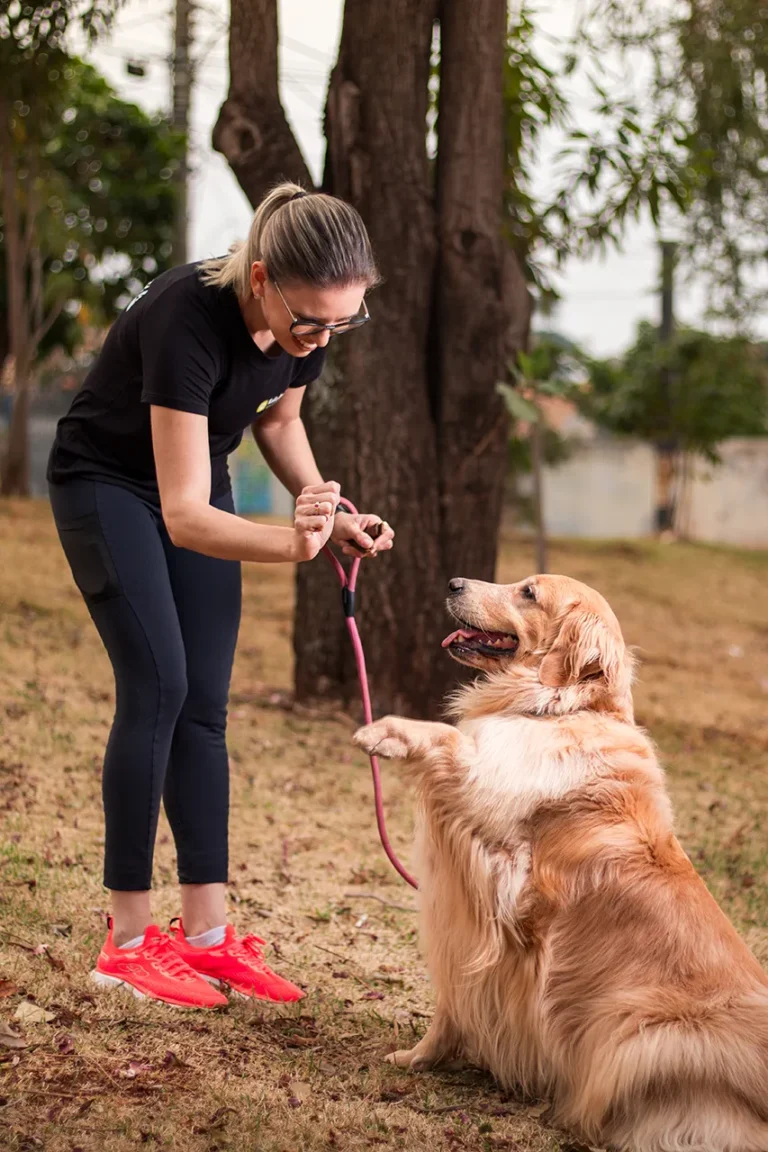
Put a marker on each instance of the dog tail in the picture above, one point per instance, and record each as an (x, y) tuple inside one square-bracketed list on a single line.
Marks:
[(700, 1083)]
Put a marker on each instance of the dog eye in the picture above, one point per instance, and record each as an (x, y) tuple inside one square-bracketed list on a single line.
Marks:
[(528, 592)]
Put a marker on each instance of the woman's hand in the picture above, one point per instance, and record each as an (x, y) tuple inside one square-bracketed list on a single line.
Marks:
[(313, 518), (361, 530)]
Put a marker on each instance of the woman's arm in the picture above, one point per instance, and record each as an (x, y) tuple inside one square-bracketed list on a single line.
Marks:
[(182, 461), (284, 444)]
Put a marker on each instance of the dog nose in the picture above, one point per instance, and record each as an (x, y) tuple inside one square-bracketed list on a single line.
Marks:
[(456, 585)]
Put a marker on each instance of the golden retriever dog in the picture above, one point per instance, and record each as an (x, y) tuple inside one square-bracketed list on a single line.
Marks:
[(574, 951)]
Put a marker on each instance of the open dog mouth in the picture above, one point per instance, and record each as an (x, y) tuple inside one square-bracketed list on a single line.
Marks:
[(469, 639)]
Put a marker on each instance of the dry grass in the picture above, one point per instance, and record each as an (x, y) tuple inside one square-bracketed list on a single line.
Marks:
[(111, 1073)]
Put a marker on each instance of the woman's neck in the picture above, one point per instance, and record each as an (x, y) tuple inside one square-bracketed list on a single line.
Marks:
[(258, 329)]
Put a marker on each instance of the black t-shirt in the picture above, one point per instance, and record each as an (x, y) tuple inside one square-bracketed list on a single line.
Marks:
[(180, 344)]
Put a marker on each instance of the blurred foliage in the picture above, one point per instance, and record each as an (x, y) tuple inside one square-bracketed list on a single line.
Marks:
[(688, 395), (107, 197), (706, 63), (679, 130), (93, 172), (553, 368), (27, 29)]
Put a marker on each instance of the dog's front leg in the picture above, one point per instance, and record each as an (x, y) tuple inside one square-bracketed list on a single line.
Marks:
[(439, 1044), (395, 738)]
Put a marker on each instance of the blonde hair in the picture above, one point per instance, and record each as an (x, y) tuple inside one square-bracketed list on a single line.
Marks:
[(300, 236)]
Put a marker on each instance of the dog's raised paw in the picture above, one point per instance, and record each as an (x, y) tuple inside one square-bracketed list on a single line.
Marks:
[(382, 739)]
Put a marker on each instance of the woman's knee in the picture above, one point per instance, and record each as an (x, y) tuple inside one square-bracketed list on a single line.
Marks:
[(205, 704), (157, 699), (174, 691)]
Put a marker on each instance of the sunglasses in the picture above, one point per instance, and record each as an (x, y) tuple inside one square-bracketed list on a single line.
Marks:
[(309, 326)]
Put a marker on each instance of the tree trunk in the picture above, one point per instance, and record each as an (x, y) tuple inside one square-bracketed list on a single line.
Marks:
[(372, 424), (666, 479), (15, 479), (14, 470), (406, 416), (469, 317), (252, 131)]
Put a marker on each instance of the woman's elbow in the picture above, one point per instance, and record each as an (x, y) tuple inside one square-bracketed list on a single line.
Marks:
[(179, 520)]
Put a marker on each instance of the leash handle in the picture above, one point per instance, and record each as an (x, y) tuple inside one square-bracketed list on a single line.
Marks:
[(348, 582)]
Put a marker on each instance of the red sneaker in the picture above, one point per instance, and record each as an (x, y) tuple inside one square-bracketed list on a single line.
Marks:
[(238, 962), (153, 971)]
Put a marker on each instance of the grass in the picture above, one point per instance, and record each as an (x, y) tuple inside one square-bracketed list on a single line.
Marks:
[(111, 1073)]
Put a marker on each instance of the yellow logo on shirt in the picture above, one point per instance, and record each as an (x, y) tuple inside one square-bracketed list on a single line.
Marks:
[(268, 403)]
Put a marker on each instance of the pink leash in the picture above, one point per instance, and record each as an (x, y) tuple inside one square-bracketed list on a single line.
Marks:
[(348, 583)]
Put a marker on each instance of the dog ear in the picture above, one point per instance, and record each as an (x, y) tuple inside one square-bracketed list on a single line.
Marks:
[(584, 649)]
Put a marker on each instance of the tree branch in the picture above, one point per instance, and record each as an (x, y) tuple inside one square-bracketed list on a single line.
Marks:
[(252, 131), (44, 327), (18, 316)]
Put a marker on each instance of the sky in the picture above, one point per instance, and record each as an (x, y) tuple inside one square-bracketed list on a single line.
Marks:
[(602, 299)]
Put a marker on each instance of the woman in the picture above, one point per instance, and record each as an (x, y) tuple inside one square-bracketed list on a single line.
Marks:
[(142, 501)]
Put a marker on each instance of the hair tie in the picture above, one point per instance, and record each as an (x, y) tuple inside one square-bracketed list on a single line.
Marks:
[(297, 195)]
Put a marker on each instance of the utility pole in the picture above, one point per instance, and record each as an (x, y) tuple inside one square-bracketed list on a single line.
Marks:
[(666, 446), (668, 258), (181, 76)]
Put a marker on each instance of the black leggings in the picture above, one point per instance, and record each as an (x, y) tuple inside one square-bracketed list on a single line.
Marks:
[(169, 620)]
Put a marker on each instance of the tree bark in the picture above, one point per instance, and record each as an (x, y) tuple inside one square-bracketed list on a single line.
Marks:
[(470, 316), (252, 131), (14, 471)]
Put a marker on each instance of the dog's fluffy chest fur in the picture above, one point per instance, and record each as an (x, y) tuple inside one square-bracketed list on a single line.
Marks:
[(520, 760)]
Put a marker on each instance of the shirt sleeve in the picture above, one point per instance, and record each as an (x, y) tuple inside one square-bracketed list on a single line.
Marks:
[(309, 368), (180, 353)]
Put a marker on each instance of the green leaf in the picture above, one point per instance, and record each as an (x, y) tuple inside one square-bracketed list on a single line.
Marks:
[(525, 363), (517, 406)]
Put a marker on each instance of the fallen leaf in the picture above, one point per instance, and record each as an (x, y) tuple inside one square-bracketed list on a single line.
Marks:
[(9, 1038), (133, 1069), (31, 1013), (300, 1041), (216, 1121), (42, 950), (373, 996), (7, 988), (300, 1088), (65, 1043), (537, 1109)]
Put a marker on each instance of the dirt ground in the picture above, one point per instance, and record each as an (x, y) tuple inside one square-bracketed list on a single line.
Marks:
[(307, 873)]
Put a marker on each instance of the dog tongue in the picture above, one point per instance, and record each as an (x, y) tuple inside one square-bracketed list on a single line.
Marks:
[(461, 634)]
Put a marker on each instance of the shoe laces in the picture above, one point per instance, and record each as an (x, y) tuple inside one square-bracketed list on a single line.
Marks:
[(250, 948), (166, 958)]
